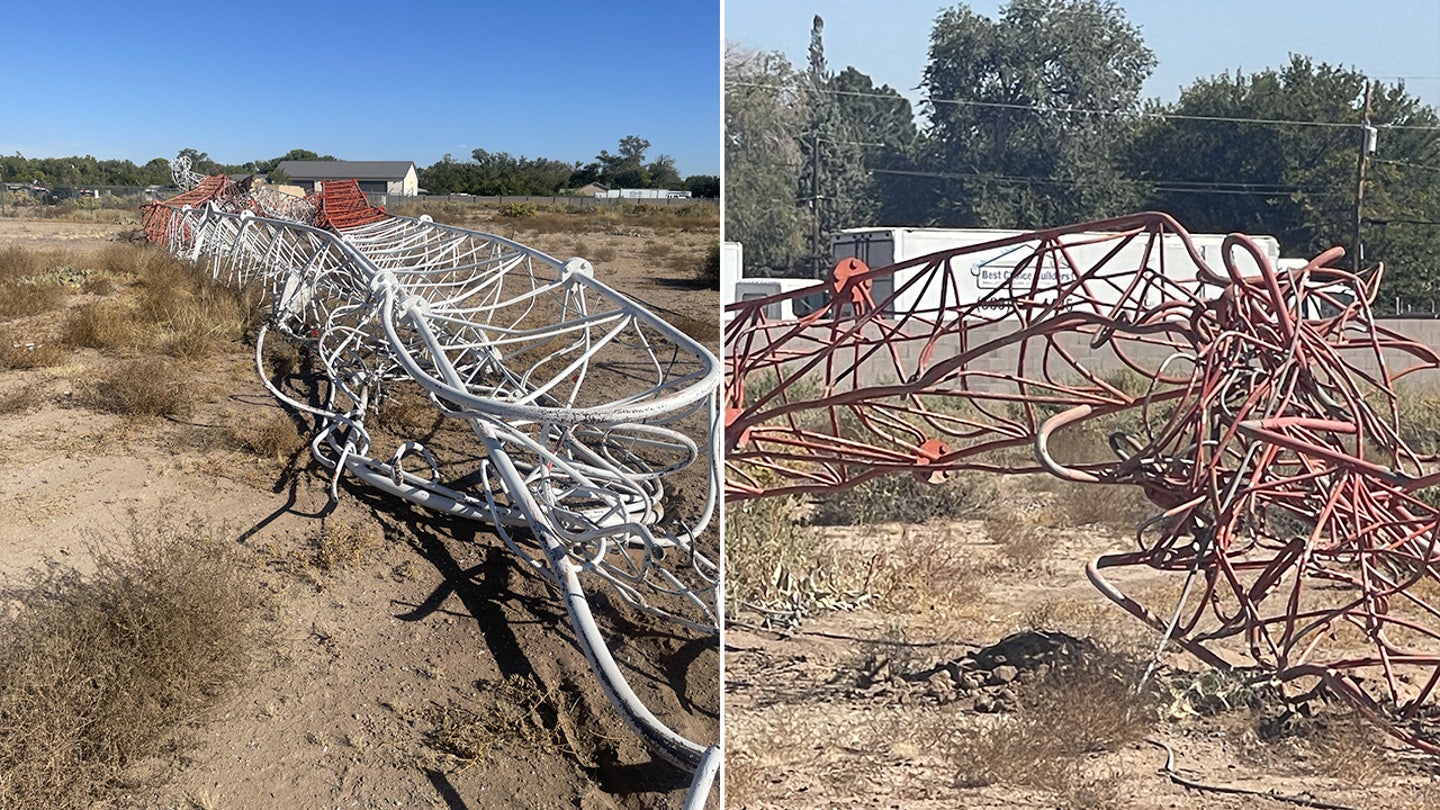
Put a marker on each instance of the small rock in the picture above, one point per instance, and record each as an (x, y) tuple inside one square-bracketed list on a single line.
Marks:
[(1003, 674), (941, 686)]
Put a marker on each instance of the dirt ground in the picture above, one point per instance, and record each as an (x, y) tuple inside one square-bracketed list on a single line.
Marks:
[(366, 662), (856, 709)]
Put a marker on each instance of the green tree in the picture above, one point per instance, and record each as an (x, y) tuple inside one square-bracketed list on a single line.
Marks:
[(1028, 111), (661, 173), (1275, 153), (703, 185), (765, 110), (834, 181), (627, 168), (885, 122)]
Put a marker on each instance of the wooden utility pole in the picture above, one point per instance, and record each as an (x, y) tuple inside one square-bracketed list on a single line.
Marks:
[(817, 262), (1366, 145)]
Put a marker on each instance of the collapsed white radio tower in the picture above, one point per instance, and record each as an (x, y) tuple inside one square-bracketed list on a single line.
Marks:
[(582, 401)]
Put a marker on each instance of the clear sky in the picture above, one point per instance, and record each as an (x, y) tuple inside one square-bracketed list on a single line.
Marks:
[(1191, 39), (360, 80)]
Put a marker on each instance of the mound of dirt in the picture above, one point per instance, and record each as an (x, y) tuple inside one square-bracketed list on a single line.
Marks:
[(988, 680)]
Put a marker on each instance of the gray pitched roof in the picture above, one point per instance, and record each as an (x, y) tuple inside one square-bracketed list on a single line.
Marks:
[(345, 169)]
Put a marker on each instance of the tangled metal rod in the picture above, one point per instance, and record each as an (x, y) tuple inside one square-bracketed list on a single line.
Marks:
[(1257, 409), (584, 404)]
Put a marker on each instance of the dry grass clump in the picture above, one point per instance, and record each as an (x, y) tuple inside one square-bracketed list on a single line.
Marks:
[(1118, 507), (21, 399), (1419, 412), (17, 263), (518, 710), (920, 573), (774, 561), (1083, 708), (1022, 543), (104, 325), (98, 671), (274, 437), (902, 498), (35, 282), (406, 411), (30, 355), (346, 545), (21, 299), (139, 389), (25, 286), (176, 309), (763, 540), (192, 315)]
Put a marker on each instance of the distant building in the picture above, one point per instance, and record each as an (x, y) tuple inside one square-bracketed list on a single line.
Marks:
[(644, 194), (379, 176), (591, 190)]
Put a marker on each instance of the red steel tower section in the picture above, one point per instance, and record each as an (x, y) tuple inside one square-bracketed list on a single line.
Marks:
[(1258, 409)]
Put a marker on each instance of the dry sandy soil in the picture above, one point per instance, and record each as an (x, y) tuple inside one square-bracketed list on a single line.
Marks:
[(857, 708), (366, 661)]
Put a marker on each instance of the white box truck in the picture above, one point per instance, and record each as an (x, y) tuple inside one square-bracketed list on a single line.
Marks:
[(749, 289), (980, 273), (735, 287), (732, 269)]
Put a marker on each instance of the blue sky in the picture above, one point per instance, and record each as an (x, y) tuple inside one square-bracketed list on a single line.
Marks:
[(360, 80), (1384, 38)]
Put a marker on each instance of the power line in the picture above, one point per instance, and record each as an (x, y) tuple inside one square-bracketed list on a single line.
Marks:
[(1410, 165), (1110, 113), (1172, 186)]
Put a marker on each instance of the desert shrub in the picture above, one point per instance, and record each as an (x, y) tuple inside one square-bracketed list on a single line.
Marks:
[(710, 267), (902, 498), (100, 670), (917, 575), (346, 545), (518, 210), (106, 325), (1419, 412), (1022, 544), (21, 298), (1114, 506), (21, 400), (764, 543), (1086, 706), (30, 355), (272, 438), (517, 711), (17, 263), (604, 254), (143, 388)]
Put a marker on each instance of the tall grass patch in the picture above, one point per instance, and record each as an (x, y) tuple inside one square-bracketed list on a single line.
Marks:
[(140, 389), (26, 288), (902, 498), (1087, 706), (98, 671)]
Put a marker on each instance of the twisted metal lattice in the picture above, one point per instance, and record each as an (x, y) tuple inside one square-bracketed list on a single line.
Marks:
[(1260, 416), (584, 405)]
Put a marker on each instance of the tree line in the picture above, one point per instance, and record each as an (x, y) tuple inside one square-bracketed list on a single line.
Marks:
[(1035, 119), (500, 173), (485, 174)]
